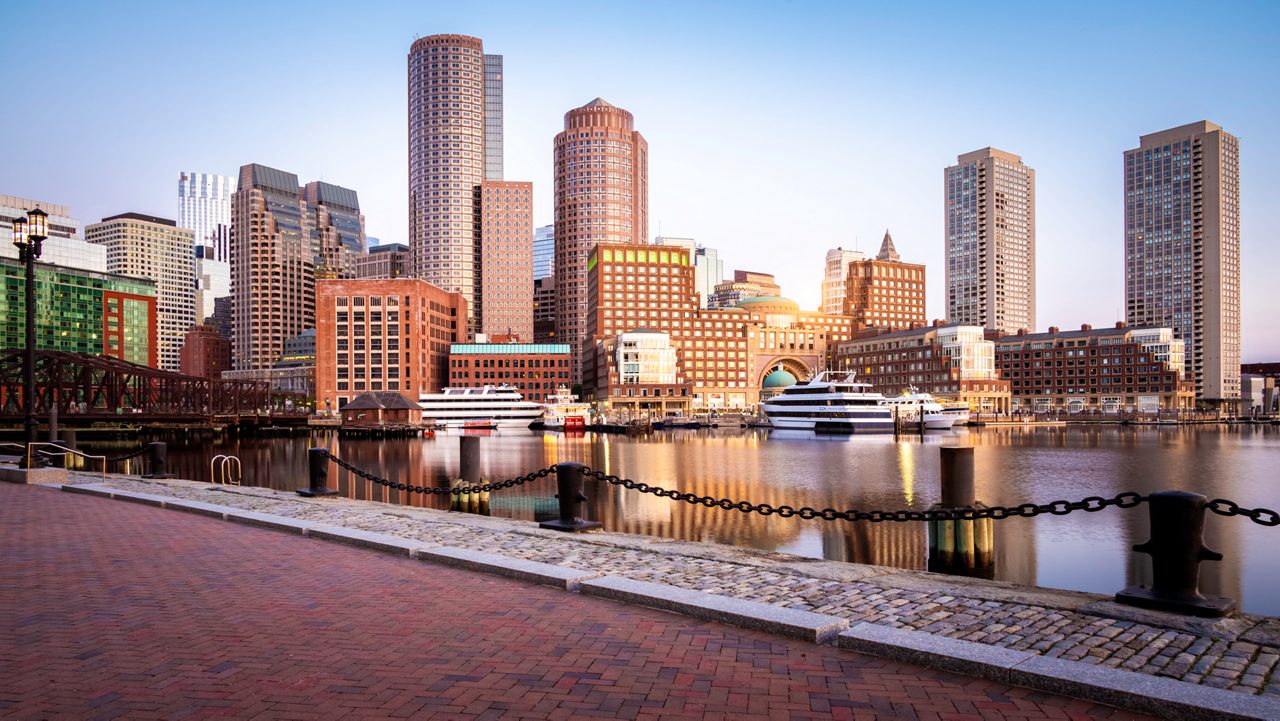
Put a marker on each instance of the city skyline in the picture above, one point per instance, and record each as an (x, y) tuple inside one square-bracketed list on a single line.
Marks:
[(897, 115)]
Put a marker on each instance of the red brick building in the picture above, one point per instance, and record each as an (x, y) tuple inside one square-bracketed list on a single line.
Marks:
[(506, 260), (383, 335), (883, 292), (534, 369), (205, 353)]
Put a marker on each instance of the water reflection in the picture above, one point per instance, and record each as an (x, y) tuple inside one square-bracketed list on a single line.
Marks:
[(1084, 551)]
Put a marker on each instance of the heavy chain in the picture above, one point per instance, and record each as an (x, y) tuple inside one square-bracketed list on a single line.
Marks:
[(1260, 516), (1092, 504), (487, 487), (127, 456)]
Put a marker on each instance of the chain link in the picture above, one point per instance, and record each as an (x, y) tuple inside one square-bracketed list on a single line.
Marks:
[(1260, 516), (1092, 504), (127, 456), (459, 490)]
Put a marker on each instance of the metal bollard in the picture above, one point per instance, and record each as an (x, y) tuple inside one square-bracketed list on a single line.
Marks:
[(569, 486), (1176, 549), (68, 439), (157, 460), (957, 476), (961, 546), (469, 460), (317, 474)]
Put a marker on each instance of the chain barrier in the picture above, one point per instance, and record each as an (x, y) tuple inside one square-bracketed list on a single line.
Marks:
[(127, 456), (487, 487), (1260, 516)]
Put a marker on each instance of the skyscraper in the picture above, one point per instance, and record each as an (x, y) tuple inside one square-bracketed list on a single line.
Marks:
[(339, 228), (602, 196), (144, 246), (991, 241), (1182, 248), (506, 265), (493, 117), (835, 275), (544, 251), (204, 206)]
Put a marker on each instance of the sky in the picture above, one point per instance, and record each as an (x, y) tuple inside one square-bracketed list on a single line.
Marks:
[(776, 130)]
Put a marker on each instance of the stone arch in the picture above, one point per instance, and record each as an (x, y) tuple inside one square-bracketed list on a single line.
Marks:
[(790, 364)]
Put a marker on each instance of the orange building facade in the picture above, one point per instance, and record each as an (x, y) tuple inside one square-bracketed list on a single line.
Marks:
[(383, 335), (506, 263), (534, 369), (884, 292)]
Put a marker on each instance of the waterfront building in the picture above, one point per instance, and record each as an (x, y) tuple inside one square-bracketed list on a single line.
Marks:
[(390, 260), (506, 265), (338, 228), (533, 369), (723, 355), (834, 277), (283, 238), (1258, 394), (298, 381), (991, 241), (953, 362), (544, 251), (1097, 370), (708, 269), (745, 284), (544, 309), (205, 353), (884, 292), (204, 206), (601, 196), (384, 335), (1182, 249), (80, 311), (144, 246), (64, 246)]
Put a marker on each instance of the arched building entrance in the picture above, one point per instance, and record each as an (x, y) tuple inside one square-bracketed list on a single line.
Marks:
[(779, 373)]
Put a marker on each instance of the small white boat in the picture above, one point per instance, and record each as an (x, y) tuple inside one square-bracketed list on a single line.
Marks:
[(565, 412), (912, 405), (488, 407), (831, 402)]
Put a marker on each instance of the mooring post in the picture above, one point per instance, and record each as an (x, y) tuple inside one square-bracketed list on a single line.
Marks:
[(569, 487), (957, 476), (68, 438), (157, 460), (961, 545), (317, 474), (1176, 549), (469, 460)]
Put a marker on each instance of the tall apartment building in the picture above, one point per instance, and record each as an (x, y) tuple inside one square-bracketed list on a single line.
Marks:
[(204, 206), (338, 227), (506, 266), (745, 284), (383, 335), (389, 260), (884, 292), (144, 246), (280, 245), (601, 196), (834, 277), (1182, 248), (64, 246), (991, 241), (544, 251), (493, 117), (708, 268)]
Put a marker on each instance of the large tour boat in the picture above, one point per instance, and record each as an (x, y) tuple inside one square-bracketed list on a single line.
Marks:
[(912, 404), (833, 401), (565, 412), (474, 408), (957, 410)]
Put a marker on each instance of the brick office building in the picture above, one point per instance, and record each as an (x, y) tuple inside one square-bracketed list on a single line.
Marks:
[(205, 353), (534, 369), (383, 335), (884, 292)]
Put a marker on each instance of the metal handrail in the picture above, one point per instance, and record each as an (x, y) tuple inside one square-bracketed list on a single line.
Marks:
[(225, 467), (64, 451)]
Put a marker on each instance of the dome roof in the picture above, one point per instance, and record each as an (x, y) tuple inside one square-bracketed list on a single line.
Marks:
[(779, 379)]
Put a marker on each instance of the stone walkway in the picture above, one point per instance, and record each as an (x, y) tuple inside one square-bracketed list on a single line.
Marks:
[(1239, 654), (119, 610)]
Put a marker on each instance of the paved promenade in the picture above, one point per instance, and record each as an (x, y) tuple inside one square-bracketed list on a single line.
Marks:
[(118, 610)]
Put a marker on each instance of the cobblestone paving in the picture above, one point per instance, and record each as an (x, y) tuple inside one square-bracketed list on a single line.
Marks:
[(1209, 653)]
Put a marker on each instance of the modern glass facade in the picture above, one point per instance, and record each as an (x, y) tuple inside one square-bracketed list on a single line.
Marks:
[(544, 251), (80, 311), (493, 117)]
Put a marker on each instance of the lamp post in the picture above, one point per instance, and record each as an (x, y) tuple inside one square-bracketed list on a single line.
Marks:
[(28, 233)]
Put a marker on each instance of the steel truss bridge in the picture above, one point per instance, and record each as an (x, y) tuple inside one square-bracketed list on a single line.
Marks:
[(90, 388)]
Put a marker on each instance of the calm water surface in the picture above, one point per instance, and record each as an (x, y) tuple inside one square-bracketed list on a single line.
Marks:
[(1081, 551)]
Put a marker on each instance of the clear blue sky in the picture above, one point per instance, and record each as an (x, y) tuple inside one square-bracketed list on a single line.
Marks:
[(777, 130)]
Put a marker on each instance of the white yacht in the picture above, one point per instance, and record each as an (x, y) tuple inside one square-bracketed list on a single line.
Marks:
[(832, 401), (957, 410), (565, 412), (479, 408), (912, 404)]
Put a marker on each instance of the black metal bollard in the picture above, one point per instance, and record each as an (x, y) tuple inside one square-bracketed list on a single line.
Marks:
[(569, 486), (964, 547), (469, 460), (157, 460), (317, 474), (1176, 549)]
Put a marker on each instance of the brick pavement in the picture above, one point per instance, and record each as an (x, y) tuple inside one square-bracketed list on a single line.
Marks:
[(114, 610)]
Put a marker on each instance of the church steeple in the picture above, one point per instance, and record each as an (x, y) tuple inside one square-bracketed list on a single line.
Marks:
[(887, 251)]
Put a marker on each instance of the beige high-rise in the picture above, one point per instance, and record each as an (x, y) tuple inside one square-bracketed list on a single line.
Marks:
[(145, 246), (990, 200), (1182, 248), (602, 196)]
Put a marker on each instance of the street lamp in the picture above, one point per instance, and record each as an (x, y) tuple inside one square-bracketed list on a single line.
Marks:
[(28, 233)]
